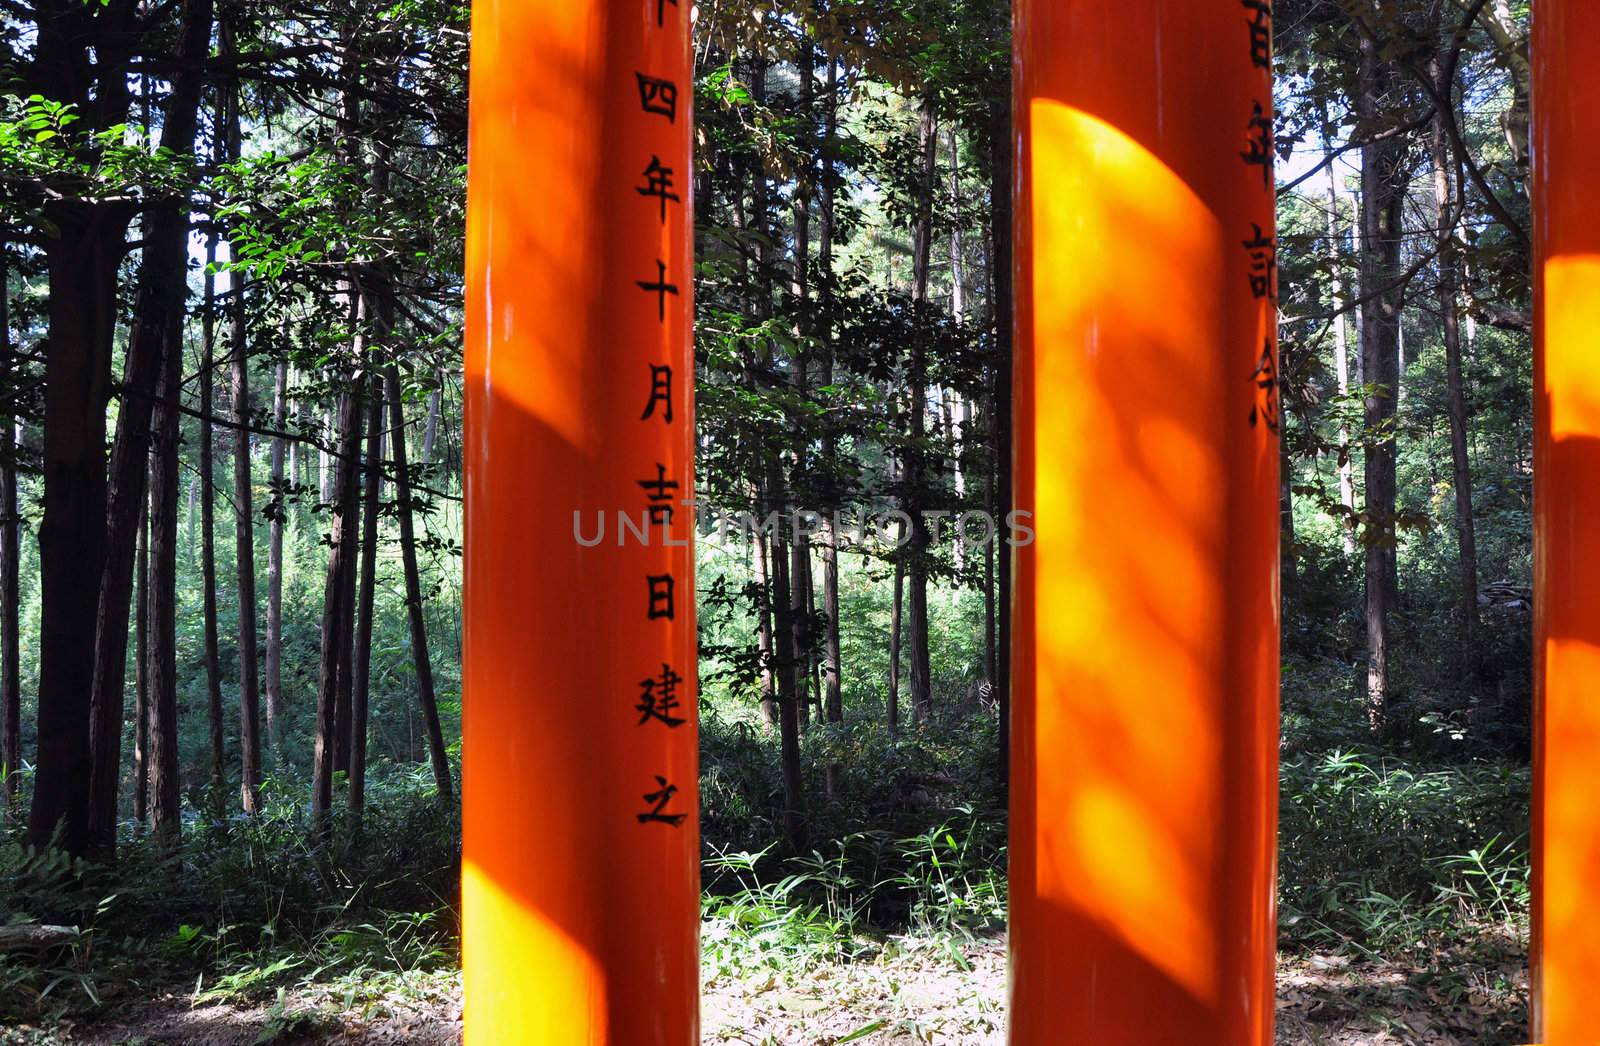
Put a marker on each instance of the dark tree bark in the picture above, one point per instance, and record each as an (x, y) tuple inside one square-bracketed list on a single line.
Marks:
[(245, 558), (1383, 182), (917, 378), (83, 252), (896, 611), (776, 493), (166, 813), (83, 265), (414, 605), (274, 642), (364, 607), (10, 559), (208, 541), (1000, 249), (335, 622), (833, 699), (1455, 383), (244, 515), (141, 673), (159, 307), (769, 695)]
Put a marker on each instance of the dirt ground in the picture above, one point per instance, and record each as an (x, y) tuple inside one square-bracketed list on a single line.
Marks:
[(915, 992)]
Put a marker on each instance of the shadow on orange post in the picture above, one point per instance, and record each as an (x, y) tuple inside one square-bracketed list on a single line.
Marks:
[(580, 889), (1565, 957), (1144, 724)]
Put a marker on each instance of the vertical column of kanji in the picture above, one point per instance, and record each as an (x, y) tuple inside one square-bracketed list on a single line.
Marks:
[(1566, 830), (580, 873), (1144, 722)]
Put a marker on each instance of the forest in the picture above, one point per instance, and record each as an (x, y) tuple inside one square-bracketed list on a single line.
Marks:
[(231, 518)]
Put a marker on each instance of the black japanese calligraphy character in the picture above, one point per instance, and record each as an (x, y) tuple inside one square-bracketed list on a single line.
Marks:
[(658, 492), (1266, 409), (1260, 151), (659, 696), (660, 606), (1263, 265), (661, 11), (661, 797), (658, 96), (1260, 32), (660, 392), (661, 289), (658, 182)]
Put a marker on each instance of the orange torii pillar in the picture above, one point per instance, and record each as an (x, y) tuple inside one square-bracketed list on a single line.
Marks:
[(580, 878), (1565, 958), (1145, 731)]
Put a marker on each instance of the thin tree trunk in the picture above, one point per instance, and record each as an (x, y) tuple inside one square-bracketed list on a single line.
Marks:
[(414, 606), (141, 673), (335, 622), (244, 516), (208, 543), (1455, 384), (1000, 246), (794, 814), (274, 651), (896, 611), (364, 607), (166, 813), (833, 699), (344, 685), (1382, 197), (245, 555), (430, 430), (1341, 347), (10, 559), (917, 568), (769, 696)]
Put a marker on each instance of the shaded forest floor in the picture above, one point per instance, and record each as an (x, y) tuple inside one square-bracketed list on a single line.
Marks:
[(915, 990)]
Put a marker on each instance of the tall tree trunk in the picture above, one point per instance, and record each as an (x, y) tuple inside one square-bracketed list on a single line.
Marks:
[(917, 377), (10, 557), (208, 541), (83, 253), (245, 556), (244, 515), (414, 605), (166, 812), (1455, 384), (1341, 344), (141, 672), (335, 621), (800, 543), (794, 814), (769, 694), (158, 309), (274, 650), (1382, 196), (833, 699), (364, 606), (1001, 281), (896, 612), (82, 263)]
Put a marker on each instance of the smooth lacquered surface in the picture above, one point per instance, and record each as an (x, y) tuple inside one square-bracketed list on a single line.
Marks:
[(580, 920), (1144, 776), (1566, 828)]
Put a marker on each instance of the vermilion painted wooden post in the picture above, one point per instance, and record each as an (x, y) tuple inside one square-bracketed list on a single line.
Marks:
[(581, 854), (1144, 771), (1566, 825)]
